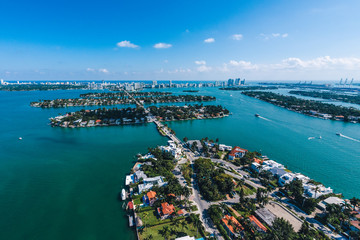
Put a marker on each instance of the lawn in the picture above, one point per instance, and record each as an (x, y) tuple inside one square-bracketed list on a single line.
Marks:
[(247, 191), (176, 230)]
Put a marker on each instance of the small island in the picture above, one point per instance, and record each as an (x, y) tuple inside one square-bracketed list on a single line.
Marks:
[(249, 88), (190, 91), (329, 96), (308, 107)]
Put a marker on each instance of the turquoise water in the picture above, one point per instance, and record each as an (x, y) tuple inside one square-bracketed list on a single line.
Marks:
[(63, 183), (283, 136)]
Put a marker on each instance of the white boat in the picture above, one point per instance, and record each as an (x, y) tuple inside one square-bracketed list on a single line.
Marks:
[(320, 137), (131, 221), (123, 194), (20, 138)]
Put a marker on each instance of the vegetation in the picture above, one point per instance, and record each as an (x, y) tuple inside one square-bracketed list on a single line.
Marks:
[(121, 94), (191, 91), (171, 230), (329, 95), (106, 99), (121, 116), (186, 172), (39, 87), (250, 88), (100, 117), (308, 107), (214, 184), (295, 190), (282, 230), (170, 113)]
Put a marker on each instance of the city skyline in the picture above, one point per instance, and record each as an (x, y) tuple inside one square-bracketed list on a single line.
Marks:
[(180, 41)]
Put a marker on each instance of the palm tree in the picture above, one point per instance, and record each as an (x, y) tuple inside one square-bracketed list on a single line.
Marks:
[(183, 225), (282, 230), (354, 201), (165, 232), (316, 190)]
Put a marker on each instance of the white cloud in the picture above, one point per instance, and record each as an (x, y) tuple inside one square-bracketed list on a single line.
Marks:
[(204, 68), (320, 63), (209, 40), (162, 45), (241, 65), (103, 70), (202, 62), (126, 44), (90, 70), (237, 37), (273, 35)]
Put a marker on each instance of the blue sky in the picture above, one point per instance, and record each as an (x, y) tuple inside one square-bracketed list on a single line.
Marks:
[(179, 40)]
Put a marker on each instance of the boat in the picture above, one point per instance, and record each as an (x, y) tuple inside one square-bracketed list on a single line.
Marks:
[(123, 194), (257, 115), (320, 137), (131, 221), (339, 134), (20, 138)]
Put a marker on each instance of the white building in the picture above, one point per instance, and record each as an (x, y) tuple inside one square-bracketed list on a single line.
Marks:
[(331, 200), (150, 182), (223, 147), (172, 148), (286, 179), (315, 191)]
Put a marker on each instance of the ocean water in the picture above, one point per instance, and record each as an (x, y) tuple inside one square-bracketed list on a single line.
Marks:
[(283, 136), (63, 183)]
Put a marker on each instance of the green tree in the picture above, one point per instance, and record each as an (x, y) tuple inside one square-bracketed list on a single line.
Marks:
[(282, 230)]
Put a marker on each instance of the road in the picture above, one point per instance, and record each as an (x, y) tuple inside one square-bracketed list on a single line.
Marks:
[(201, 204)]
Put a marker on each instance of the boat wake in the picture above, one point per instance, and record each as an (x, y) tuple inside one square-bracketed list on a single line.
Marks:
[(309, 138), (350, 138), (265, 118)]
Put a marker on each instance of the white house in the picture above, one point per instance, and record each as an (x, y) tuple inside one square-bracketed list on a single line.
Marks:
[(150, 182), (315, 191), (223, 147), (286, 179)]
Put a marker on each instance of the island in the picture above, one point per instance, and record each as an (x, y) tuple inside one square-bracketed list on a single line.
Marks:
[(249, 88), (329, 95), (308, 107), (202, 188), (40, 87), (190, 91), (106, 99), (123, 116)]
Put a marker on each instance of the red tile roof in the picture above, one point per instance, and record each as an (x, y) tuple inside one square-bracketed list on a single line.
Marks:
[(236, 150), (167, 208), (257, 160), (234, 222), (130, 205), (254, 220), (356, 224), (151, 195)]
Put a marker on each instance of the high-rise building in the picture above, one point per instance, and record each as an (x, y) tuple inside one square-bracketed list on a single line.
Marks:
[(231, 82), (237, 81)]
